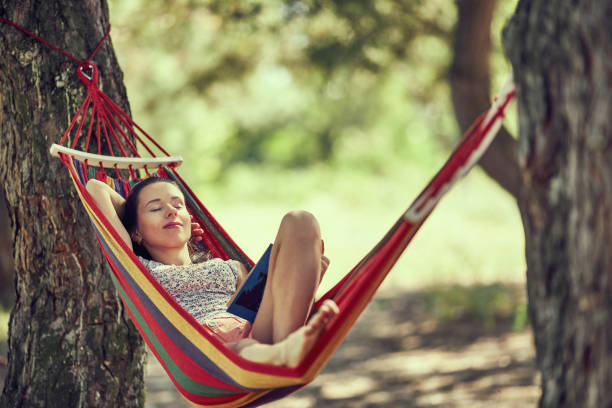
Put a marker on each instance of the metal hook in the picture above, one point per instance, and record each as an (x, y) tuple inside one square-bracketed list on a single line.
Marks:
[(85, 74)]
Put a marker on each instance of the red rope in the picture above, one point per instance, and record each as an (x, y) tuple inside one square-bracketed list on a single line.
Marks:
[(110, 119), (53, 47), (111, 103), (100, 43), (89, 131), (132, 174), (72, 123), (83, 116), (108, 115), (107, 125), (98, 132), (108, 142)]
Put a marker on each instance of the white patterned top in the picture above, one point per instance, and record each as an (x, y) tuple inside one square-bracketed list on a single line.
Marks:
[(202, 289)]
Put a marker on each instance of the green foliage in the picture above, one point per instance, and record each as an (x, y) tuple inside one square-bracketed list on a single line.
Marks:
[(291, 83), (341, 108)]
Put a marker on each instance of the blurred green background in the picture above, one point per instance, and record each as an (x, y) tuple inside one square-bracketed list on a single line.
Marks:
[(339, 108)]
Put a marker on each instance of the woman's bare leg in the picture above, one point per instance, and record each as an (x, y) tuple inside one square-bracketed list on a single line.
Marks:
[(293, 277)]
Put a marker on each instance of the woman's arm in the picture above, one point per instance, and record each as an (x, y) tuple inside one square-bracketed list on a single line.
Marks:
[(111, 205), (243, 273)]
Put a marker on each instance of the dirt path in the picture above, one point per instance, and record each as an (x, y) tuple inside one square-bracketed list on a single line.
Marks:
[(397, 356)]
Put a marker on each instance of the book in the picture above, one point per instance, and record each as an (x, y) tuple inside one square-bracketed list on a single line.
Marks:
[(248, 298)]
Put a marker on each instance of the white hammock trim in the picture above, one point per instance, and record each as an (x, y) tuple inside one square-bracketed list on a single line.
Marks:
[(424, 205), (119, 162)]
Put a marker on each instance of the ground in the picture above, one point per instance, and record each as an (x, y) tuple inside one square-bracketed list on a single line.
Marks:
[(400, 355), (397, 355)]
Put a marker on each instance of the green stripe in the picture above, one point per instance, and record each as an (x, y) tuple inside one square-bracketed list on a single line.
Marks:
[(91, 173), (185, 382)]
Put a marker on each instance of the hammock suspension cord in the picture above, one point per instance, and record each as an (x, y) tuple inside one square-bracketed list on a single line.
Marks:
[(111, 123), (53, 47)]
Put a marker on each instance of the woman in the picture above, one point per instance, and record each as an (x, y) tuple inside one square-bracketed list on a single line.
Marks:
[(154, 222)]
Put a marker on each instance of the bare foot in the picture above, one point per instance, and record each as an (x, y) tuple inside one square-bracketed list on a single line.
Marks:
[(290, 351), (298, 344)]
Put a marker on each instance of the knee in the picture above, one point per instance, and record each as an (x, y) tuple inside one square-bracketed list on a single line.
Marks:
[(301, 223)]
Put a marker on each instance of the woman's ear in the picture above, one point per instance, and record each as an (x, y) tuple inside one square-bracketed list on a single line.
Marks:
[(136, 237)]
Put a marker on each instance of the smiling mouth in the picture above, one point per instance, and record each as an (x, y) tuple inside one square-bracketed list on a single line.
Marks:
[(173, 225)]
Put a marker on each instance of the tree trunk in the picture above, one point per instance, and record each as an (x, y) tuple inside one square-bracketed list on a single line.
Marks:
[(7, 288), (561, 52), (470, 87), (70, 344)]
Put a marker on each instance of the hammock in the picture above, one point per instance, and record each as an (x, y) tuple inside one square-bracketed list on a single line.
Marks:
[(203, 369)]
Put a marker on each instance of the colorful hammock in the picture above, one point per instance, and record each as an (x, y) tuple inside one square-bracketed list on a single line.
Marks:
[(202, 368)]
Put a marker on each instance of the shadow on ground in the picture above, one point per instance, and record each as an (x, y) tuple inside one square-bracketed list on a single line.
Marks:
[(453, 347), (418, 349)]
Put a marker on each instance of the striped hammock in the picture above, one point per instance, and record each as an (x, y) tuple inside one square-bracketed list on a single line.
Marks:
[(203, 369)]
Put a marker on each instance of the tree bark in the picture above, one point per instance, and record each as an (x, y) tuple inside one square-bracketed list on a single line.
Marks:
[(7, 288), (470, 88), (70, 344), (561, 52)]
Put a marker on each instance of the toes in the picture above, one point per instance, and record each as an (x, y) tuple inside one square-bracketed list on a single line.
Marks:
[(329, 307), (324, 315)]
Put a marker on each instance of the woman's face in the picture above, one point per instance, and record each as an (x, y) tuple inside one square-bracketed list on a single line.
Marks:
[(163, 221)]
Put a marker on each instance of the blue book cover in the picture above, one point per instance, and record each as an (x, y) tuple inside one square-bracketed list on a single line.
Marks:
[(247, 300)]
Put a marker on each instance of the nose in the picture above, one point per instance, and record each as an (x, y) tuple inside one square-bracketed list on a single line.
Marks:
[(171, 211)]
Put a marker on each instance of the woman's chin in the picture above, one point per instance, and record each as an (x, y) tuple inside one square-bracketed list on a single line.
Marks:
[(176, 242)]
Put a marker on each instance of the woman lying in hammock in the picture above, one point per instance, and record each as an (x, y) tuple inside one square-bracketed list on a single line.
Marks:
[(154, 221)]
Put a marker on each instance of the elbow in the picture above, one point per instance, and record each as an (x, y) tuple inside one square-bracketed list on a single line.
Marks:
[(93, 185), (96, 189)]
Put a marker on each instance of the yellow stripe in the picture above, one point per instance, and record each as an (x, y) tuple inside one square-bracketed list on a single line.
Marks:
[(110, 181)]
